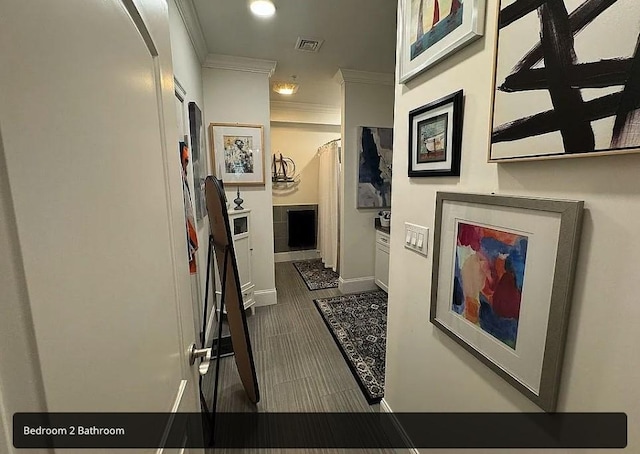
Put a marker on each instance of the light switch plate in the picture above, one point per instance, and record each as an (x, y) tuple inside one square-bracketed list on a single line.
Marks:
[(411, 233)]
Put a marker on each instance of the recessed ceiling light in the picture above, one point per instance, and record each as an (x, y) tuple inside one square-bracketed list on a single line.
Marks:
[(263, 8)]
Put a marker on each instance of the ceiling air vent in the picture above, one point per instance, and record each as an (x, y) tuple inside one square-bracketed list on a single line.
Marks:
[(308, 44)]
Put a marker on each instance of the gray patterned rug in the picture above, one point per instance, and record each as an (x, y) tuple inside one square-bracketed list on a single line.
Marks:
[(315, 275), (358, 323)]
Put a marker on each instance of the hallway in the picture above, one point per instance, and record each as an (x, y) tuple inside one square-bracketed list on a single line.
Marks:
[(298, 364)]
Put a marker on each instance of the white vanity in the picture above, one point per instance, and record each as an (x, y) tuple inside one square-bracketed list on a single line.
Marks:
[(382, 256), (240, 223)]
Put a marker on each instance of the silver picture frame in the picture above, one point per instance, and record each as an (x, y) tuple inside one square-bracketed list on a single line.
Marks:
[(553, 227)]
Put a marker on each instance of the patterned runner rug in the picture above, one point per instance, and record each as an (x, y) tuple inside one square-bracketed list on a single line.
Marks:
[(315, 275), (358, 323)]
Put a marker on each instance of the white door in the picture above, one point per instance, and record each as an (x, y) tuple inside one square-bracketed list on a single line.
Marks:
[(87, 116)]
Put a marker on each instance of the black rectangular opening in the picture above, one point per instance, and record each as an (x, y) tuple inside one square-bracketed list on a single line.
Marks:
[(302, 229)]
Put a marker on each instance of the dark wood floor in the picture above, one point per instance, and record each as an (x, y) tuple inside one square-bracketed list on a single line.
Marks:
[(298, 364)]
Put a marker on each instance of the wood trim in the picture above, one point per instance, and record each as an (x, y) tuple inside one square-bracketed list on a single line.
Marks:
[(361, 284), (385, 408), (190, 20), (233, 63), (619, 152)]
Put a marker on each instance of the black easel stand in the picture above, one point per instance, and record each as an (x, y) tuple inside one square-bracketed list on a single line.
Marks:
[(217, 341)]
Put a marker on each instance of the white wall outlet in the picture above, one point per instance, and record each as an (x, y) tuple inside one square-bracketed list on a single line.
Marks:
[(416, 237)]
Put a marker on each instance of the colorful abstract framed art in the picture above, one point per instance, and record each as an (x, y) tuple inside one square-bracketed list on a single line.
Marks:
[(430, 30), (237, 154), (502, 281)]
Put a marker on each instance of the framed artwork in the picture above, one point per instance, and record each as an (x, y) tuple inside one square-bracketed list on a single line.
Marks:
[(237, 153), (567, 79), (430, 30), (198, 160), (375, 152), (435, 137), (502, 281)]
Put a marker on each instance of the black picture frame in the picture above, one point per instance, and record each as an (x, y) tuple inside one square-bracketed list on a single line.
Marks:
[(445, 161)]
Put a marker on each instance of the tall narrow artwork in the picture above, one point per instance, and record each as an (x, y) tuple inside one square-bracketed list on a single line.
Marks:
[(567, 79), (375, 151), (198, 159), (489, 273)]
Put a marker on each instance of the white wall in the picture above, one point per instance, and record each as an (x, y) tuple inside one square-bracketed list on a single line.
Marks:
[(243, 97), (21, 386), (426, 371), (187, 69), (364, 104), (300, 142)]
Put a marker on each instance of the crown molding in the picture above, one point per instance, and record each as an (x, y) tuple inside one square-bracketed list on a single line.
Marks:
[(179, 89), (305, 107), (363, 77), (307, 113), (233, 63), (190, 19)]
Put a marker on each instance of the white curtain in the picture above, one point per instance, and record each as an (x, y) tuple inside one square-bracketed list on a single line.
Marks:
[(328, 203)]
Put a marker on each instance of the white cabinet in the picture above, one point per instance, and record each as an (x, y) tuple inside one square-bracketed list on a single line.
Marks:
[(240, 223), (382, 260)]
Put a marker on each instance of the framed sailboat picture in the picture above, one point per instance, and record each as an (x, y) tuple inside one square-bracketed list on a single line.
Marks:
[(435, 137), (430, 30)]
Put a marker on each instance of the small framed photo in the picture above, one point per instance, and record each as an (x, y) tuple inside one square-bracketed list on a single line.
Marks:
[(237, 154), (502, 280), (435, 137)]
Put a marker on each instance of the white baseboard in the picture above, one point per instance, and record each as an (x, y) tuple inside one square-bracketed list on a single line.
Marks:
[(296, 255), (208, 334), (384, 406), (265, 297), (360, 284)]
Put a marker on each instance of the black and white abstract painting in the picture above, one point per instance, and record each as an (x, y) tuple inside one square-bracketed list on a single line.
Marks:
[(375, 150), (567, 78)]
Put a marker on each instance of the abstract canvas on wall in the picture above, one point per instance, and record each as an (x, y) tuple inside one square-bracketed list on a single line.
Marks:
[(567, 79), (375, 151), (489, 273), (432, 29), (501, 283), (237, 154)]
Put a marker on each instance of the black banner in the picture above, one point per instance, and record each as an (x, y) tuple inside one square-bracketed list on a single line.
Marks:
[(320, 430)]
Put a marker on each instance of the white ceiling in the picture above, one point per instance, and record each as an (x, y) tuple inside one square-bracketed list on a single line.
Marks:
[(358, 34)]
